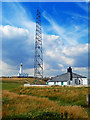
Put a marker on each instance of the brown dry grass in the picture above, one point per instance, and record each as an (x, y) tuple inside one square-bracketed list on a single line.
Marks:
[(66, 94), (22, 80), (18, 104), (18, 80)]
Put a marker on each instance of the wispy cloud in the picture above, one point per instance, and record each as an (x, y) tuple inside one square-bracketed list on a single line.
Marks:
[(83, 6), (18, 18), (66, 32), (77, 15)]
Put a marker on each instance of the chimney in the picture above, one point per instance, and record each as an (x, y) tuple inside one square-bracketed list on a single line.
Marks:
[(69, 70)]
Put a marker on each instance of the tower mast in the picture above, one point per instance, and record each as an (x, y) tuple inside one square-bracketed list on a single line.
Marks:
[(38, 59)]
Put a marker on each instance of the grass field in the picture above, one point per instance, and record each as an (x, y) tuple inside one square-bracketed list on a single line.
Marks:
[(42, 103), (11, 83)]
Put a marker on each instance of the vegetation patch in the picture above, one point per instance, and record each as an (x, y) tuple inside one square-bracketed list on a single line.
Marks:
[(64, 95), (32, 106), (35, 103)]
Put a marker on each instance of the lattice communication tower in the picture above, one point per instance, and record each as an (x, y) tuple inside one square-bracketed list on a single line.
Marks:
[(38, 59)]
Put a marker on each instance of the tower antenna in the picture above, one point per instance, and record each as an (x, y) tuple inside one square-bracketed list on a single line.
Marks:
[(38, 58)]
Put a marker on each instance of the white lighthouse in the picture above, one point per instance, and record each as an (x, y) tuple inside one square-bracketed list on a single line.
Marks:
[(21, 74), (21, 69)]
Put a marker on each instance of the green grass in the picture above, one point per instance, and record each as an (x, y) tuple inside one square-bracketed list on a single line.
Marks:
[(11, 83), (10, 86), (38, 116)]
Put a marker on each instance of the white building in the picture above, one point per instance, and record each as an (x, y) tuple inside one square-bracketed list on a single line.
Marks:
[(68, 78), (21, 74)]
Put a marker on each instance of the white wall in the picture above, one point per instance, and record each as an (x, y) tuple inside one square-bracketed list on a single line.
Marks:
[(85, 81), (65, 83), (26, 85), (50, 83), (23, 75), (57, 83)]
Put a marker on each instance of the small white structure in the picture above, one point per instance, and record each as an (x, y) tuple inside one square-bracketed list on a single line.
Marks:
[(68, 78), (21, 74), (28, 85)]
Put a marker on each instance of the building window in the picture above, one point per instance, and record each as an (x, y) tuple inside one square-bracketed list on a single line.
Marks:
[(76, 81)]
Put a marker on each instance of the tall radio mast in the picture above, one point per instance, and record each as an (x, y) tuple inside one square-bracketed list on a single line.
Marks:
[(38, 59)]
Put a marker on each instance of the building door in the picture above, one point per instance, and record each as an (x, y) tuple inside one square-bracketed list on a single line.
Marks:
[(54, 83), (79, 82), (69, 82), (61, 83), (47, 83)]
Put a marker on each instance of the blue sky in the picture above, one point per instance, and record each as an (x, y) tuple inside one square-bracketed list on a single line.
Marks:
[(65, 36)]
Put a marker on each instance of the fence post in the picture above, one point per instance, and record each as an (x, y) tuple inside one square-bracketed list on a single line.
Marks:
[(61, 115), (66, 115), (88, 99)]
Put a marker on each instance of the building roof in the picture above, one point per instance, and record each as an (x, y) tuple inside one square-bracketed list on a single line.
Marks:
[(65, 77)]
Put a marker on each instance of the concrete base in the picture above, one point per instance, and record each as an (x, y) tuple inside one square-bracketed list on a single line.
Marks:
[(28, 85)]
